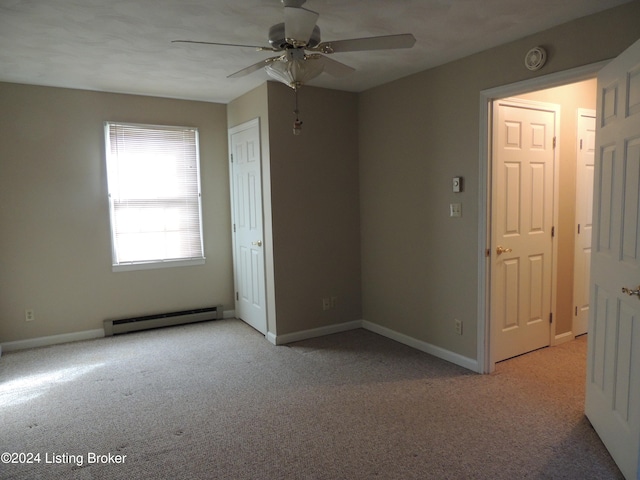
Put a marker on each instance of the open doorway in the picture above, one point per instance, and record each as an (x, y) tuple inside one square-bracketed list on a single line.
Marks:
[(572, 91), (575, 156)]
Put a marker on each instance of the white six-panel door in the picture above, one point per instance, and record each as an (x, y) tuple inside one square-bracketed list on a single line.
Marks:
[(248, 241), (522, 222), (613, 356), (584, 207)]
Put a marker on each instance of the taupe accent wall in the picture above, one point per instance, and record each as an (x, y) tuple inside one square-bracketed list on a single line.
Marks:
[(312, 204), (55, 247), (419, 266)]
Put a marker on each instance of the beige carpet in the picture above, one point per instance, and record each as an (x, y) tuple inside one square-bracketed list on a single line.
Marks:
[(217, 401)]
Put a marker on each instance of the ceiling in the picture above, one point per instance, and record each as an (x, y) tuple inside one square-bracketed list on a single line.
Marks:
[(125, 45)]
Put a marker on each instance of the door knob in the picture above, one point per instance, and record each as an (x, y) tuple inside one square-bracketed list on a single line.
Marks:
[(501, 249), (258, 243), (631, 292)]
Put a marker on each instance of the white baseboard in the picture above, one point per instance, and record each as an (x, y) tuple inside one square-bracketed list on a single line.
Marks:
[(439, 352), (449, 356), (52, 340), (67, 337), (563, 337), (312, 333)]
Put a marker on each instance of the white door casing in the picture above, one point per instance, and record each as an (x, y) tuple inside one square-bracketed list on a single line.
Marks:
[(613, 355), (247, 218), (522, 214), (586, 140)]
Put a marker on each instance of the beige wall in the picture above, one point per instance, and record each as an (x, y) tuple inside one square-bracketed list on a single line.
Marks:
[(420, 267), (55, 251), (359, 202), (310, 190), (310, 185), (251, 105), (315, 207), (570, 98)]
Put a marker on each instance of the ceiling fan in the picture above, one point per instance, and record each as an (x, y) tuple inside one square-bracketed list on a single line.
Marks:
[(301, 53)]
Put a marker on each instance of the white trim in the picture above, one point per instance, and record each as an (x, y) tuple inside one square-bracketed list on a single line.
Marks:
[(313, 332), (564, 337), (129, 267), (68, 337), (580, 113), (439, 352), (486, 97), (52, 340)]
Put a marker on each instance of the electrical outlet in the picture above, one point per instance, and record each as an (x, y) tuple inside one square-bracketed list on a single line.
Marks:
[(326, 303), (458, 326), (29, 315)]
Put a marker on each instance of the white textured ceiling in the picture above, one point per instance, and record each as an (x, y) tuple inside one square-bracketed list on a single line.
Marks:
[(125, 45)]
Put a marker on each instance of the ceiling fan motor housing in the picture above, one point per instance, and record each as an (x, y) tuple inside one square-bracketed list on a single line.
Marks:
[(278, 41)]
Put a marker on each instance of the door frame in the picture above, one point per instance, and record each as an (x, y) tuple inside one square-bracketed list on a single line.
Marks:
[(487, 97), (582, 112)]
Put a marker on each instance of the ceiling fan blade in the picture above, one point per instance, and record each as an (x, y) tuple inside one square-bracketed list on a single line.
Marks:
[(333, 67), (253, 68), (299, 24), (404, 40), (257, 47)]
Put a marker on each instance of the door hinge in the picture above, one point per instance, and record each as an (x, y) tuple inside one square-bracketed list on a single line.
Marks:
[(237, 296), (576, 310), (551, 318), (554, 142), (231, 157), (553, 232), (580, 144), (578, 229), (234, 228), (488, 252)]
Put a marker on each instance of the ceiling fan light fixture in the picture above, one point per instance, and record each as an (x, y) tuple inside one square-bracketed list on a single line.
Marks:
[(298, 41), (295, 72)]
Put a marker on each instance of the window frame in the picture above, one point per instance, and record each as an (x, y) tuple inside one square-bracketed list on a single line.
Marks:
[(133, 265)]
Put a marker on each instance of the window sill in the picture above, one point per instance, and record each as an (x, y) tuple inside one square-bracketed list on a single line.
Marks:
[(128, 267)]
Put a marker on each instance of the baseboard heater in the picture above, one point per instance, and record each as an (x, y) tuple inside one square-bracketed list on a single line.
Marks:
[(125, 325)]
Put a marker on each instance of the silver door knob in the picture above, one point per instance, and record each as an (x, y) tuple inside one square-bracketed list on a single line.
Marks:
[(632, 292), (501, 250), (258, 243)]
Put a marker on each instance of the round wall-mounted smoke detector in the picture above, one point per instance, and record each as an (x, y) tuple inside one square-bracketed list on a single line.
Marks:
[(535, 58)]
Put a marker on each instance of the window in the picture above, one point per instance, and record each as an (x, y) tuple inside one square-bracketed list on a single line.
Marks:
[(154, 196)]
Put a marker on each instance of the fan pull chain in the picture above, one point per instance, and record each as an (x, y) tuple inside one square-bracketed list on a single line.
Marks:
[(297, 123)]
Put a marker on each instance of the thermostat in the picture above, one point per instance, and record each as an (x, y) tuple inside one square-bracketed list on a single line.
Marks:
[(457, 184)]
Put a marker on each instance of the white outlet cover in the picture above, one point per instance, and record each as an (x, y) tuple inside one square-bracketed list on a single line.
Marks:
[(455, 210)]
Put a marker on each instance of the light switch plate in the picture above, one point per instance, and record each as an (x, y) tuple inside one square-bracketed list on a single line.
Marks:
[(457, 184), (455, 210)]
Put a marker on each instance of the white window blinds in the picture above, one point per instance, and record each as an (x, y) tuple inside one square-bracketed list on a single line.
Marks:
[(154, 194)]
